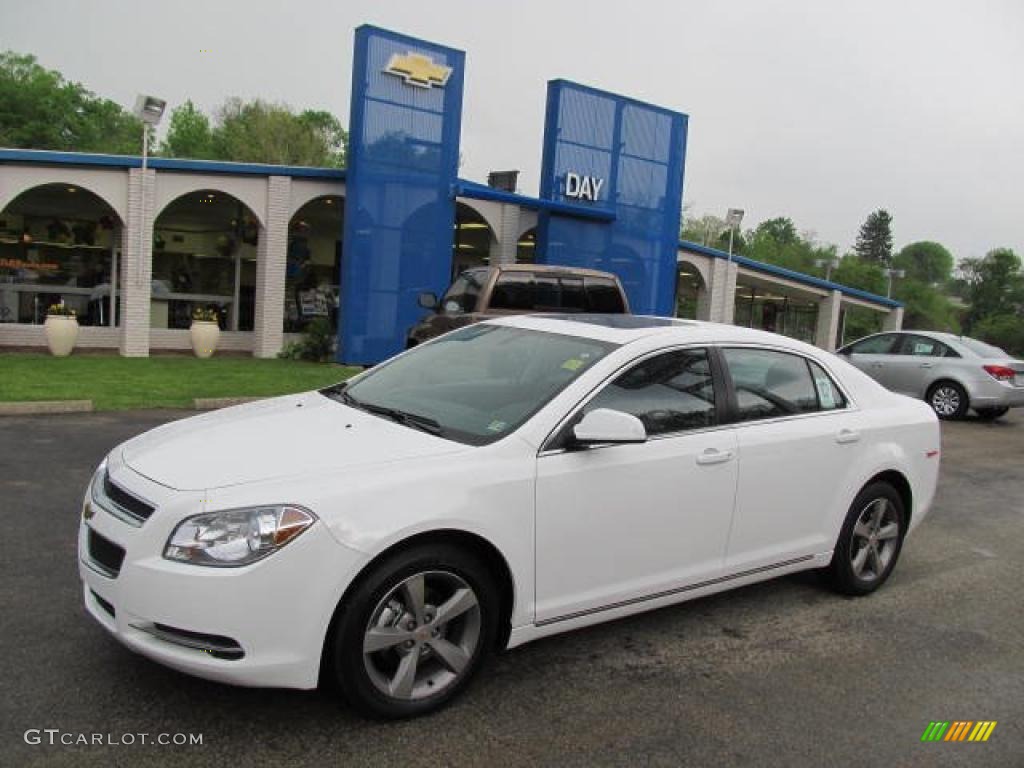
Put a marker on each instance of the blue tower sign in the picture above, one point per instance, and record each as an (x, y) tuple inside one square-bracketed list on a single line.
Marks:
[(403, 156), (625, 157)]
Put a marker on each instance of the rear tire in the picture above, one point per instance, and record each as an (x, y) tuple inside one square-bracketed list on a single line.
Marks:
[(412, 632), (870, 541), (991, 414), (949, 400)]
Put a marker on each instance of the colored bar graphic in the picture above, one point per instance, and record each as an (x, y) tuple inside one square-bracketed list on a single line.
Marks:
[(958, 730)]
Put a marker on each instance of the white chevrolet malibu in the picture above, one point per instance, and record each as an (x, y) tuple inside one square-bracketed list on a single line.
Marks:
[(510, 480)]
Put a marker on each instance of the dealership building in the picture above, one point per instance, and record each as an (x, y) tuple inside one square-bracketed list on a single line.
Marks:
[(135, 250)]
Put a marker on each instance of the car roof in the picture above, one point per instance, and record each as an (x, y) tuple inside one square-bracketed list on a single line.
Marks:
[(552, 268), (624, 329)]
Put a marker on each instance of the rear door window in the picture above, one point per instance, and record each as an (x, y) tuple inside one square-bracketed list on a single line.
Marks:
[(922, 346), (769, 384), (603, 296)]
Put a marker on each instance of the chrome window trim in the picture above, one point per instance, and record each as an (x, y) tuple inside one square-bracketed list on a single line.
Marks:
[(851, 404)]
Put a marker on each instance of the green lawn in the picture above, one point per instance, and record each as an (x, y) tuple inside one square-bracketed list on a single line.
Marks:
[(118, 383)]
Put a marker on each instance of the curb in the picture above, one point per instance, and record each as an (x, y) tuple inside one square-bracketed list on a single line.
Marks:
[(212, 403), (33, 408)]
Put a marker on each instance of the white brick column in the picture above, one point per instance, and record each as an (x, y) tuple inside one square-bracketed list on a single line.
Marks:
[(508, 237), (721, 301), (271, 257), (137, 263), (828, 321), (894, 320)]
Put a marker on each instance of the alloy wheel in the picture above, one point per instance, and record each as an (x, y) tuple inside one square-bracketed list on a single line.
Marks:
[(946, 401), (422, 636), (875, 540)]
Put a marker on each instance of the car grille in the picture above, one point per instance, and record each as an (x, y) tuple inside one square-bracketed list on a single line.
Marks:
[(105, 555), (126, 502)]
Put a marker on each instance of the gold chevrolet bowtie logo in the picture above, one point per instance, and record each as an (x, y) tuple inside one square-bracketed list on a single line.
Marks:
[(418, 70)]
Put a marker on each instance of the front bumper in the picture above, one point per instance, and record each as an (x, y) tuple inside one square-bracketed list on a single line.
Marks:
[(258, 625)]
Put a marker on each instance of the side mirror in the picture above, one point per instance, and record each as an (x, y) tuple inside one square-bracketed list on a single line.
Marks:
[(427, 300), (603, 425)]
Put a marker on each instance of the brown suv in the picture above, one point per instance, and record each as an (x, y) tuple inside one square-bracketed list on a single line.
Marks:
[(517, 289)]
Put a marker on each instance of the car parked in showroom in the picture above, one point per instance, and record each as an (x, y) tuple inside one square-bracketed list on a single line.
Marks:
[(953, 374), (516, 289), (510, 480)]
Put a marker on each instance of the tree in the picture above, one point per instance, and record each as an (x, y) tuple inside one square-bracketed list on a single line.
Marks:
[(928, 262), (39, 109), (259, 132), (993, 285), (188, 134), (874, 241), (1005, 331)]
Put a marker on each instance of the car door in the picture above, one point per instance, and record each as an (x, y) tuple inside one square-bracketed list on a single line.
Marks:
[(621, 522), (796, 436), (913, 368), (874, 355)]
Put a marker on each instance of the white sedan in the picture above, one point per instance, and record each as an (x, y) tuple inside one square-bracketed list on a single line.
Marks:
[(510, 480)]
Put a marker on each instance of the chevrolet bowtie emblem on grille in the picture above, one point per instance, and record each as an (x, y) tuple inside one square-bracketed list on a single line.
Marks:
[(418, 70)]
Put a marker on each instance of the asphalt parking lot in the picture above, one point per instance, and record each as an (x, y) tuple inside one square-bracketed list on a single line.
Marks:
[(781, 673)]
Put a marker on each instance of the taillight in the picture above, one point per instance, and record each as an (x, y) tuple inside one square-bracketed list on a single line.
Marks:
[(999, 372)]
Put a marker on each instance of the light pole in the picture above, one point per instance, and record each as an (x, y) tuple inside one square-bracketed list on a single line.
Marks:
[(733, 218), (828, 264), (149, 109), (890, 274)]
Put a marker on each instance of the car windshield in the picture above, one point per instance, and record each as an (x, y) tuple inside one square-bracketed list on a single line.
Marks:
[(476, 384), (980, 348)]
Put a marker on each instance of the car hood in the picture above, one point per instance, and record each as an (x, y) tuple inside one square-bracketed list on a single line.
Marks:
[(282, 437)]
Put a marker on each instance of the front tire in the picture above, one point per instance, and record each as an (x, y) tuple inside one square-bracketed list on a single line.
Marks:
[(870, 541), (413, 632), (949, 400)]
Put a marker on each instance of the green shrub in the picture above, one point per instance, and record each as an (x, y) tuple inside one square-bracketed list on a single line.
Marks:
[(317, 343)]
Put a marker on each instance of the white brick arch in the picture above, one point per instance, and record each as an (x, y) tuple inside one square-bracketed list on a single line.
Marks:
[(109, 186), (251, 191), (700, 264), (307, 190)]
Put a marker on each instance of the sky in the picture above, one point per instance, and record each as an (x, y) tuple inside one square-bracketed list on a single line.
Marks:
[(820, 110)]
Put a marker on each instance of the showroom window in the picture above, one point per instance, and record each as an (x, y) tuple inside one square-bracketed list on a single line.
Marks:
[(57, 246), (313, 266), (204, 255), (671, 392)]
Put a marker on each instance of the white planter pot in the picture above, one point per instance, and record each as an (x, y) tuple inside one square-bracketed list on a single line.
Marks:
[(205, 335), (61, 334)]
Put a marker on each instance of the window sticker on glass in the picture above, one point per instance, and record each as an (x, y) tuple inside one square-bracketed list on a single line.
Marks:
[(826, 394), (573, 364), (496, 426)]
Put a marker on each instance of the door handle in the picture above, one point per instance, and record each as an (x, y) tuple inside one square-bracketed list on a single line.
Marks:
[(847, 436), (712, 456), (927, 365)]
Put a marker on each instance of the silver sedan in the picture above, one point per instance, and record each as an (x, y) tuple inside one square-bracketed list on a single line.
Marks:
[(952, 373)]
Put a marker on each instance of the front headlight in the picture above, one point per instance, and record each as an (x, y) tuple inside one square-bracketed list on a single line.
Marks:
[(237, 536)]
